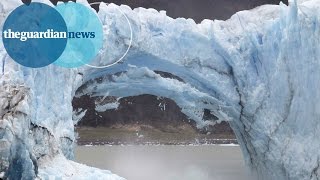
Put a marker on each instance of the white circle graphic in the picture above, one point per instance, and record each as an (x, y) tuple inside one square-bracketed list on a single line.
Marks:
[(130, 43)]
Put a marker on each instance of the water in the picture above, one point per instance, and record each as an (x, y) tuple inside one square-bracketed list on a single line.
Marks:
[(209, 162)]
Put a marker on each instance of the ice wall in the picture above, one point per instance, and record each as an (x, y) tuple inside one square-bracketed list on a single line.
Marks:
[(258, 70)]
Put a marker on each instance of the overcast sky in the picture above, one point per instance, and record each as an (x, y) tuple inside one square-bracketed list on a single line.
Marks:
[(195, 9)]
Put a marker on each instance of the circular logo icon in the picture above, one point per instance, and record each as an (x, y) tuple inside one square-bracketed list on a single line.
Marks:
[(35, 35), (69, 35), (85, 35)]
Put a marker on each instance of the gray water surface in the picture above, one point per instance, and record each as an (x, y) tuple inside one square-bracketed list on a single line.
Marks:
[(208, 162)]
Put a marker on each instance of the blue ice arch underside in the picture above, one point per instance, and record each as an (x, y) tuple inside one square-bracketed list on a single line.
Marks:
[(259, 70)]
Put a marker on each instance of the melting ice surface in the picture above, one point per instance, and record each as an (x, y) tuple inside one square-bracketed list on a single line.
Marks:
[(259, 70)]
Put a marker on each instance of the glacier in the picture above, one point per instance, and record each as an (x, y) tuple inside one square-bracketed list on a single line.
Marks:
[(259, 71)]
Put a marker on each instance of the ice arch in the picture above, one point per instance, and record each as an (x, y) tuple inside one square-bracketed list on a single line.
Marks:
[(258, 70)]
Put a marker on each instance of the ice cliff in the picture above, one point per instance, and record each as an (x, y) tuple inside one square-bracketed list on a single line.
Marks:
[(259, 70)]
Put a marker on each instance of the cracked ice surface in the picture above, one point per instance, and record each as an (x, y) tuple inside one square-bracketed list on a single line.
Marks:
[(259, 70)]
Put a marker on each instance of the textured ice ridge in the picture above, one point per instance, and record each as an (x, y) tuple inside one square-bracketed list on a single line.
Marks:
[(259, 70)]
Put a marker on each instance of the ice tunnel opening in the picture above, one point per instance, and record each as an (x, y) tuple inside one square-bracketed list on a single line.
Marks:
[(144, 104), (144, 119), (109, 112)]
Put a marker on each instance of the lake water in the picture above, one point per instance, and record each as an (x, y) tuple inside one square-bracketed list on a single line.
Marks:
[(207, 162)]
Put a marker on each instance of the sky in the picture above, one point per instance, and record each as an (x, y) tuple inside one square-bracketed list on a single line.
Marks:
[(195, 9)]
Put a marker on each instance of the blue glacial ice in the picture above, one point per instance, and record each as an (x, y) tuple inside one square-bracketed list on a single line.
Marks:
[(259, 71)]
